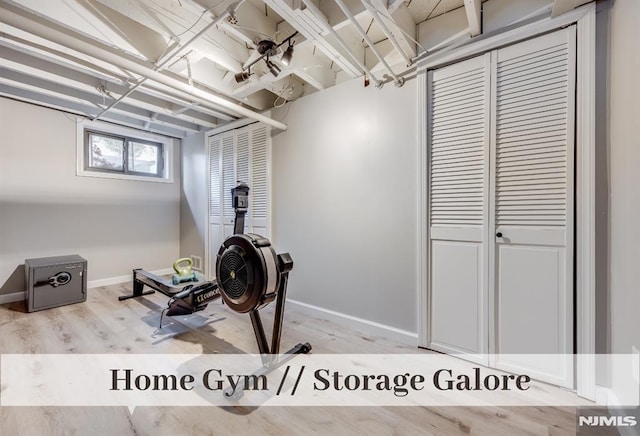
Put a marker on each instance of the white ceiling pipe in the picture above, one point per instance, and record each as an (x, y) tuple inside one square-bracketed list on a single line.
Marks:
[(168, 58), (399, 81), (376, 16), (314, 10), (36, 25)]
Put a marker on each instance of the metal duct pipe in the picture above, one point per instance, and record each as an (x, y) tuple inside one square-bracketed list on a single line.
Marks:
[(169, 57), (399, 81), (36, 25), (314, 10), (376, 16)]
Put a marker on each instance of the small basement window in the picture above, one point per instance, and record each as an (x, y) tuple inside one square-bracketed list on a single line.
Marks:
[(114, 152)]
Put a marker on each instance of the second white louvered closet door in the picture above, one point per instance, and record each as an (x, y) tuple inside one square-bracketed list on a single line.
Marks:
[(533, 185), (259, 194), (240, 155), (215, 198), (228, 180)]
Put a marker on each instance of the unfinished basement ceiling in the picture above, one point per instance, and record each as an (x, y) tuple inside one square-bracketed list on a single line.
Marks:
[(168, 66)]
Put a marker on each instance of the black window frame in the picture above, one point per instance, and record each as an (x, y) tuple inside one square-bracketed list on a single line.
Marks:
[(160, 173)]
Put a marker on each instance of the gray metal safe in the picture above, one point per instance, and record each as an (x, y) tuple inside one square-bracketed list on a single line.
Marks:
[(55, 281)]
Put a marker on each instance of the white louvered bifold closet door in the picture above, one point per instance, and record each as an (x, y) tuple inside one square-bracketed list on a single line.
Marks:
[(241, 155), (228, 180), (243, 162), (259, 195), (533, 185), (458, 119), (501, 207), (215, 198)]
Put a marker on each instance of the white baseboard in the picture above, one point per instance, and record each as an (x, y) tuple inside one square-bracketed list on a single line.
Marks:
[(613, 403), (365, 326), (22, 295), (602, 396), (13, 297)]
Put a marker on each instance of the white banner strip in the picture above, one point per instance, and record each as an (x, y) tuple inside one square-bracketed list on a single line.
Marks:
[(301, 380)]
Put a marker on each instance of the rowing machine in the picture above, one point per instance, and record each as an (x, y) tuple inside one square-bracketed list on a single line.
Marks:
[(251, 275)]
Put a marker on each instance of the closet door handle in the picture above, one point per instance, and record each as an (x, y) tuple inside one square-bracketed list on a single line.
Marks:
[(499, 234)]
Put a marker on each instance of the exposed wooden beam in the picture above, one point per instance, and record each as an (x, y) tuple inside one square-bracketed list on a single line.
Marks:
[(562, 6), (34, 24), (400, 23), (216, 45), (252, 23), (25, 63), (63, 92), (474, 16), (315, 69), (149, 43), (83, 109), (152, 16), (395, 4), (312, 27)]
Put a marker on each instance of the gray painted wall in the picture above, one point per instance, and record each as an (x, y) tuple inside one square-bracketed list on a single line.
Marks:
[(602, 273), (193, 196), (46, 210), (344, 200), (624, 184)]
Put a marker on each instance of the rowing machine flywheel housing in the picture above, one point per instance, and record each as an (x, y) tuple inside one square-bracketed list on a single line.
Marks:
[(247, 272)]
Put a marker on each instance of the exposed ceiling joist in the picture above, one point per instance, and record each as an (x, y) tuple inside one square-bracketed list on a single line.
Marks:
[(313, 26), (37, 84), (312, 68), (146, 41), (81, 109), (61, 54), (106, 51), (152, 21), (562, 6), (251, 23), (400, 24), (16, 57), (399, 81), (37, 25), (169, 57), (474, 16), (184, 22)]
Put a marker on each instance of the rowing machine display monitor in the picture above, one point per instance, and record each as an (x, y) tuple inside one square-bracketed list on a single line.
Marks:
[(240, 196), (251, 275)]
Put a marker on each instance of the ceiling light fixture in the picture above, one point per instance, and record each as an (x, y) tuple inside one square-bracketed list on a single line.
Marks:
[(288, 54), (275, 70), (242, 76), (267, 48)]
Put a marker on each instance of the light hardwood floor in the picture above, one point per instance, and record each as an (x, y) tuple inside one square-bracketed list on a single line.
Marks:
[(105, 325)]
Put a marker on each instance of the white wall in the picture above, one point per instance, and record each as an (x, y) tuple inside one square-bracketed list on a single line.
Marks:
[(344, 200), (193, 198), (624, 173), (46, 210)]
